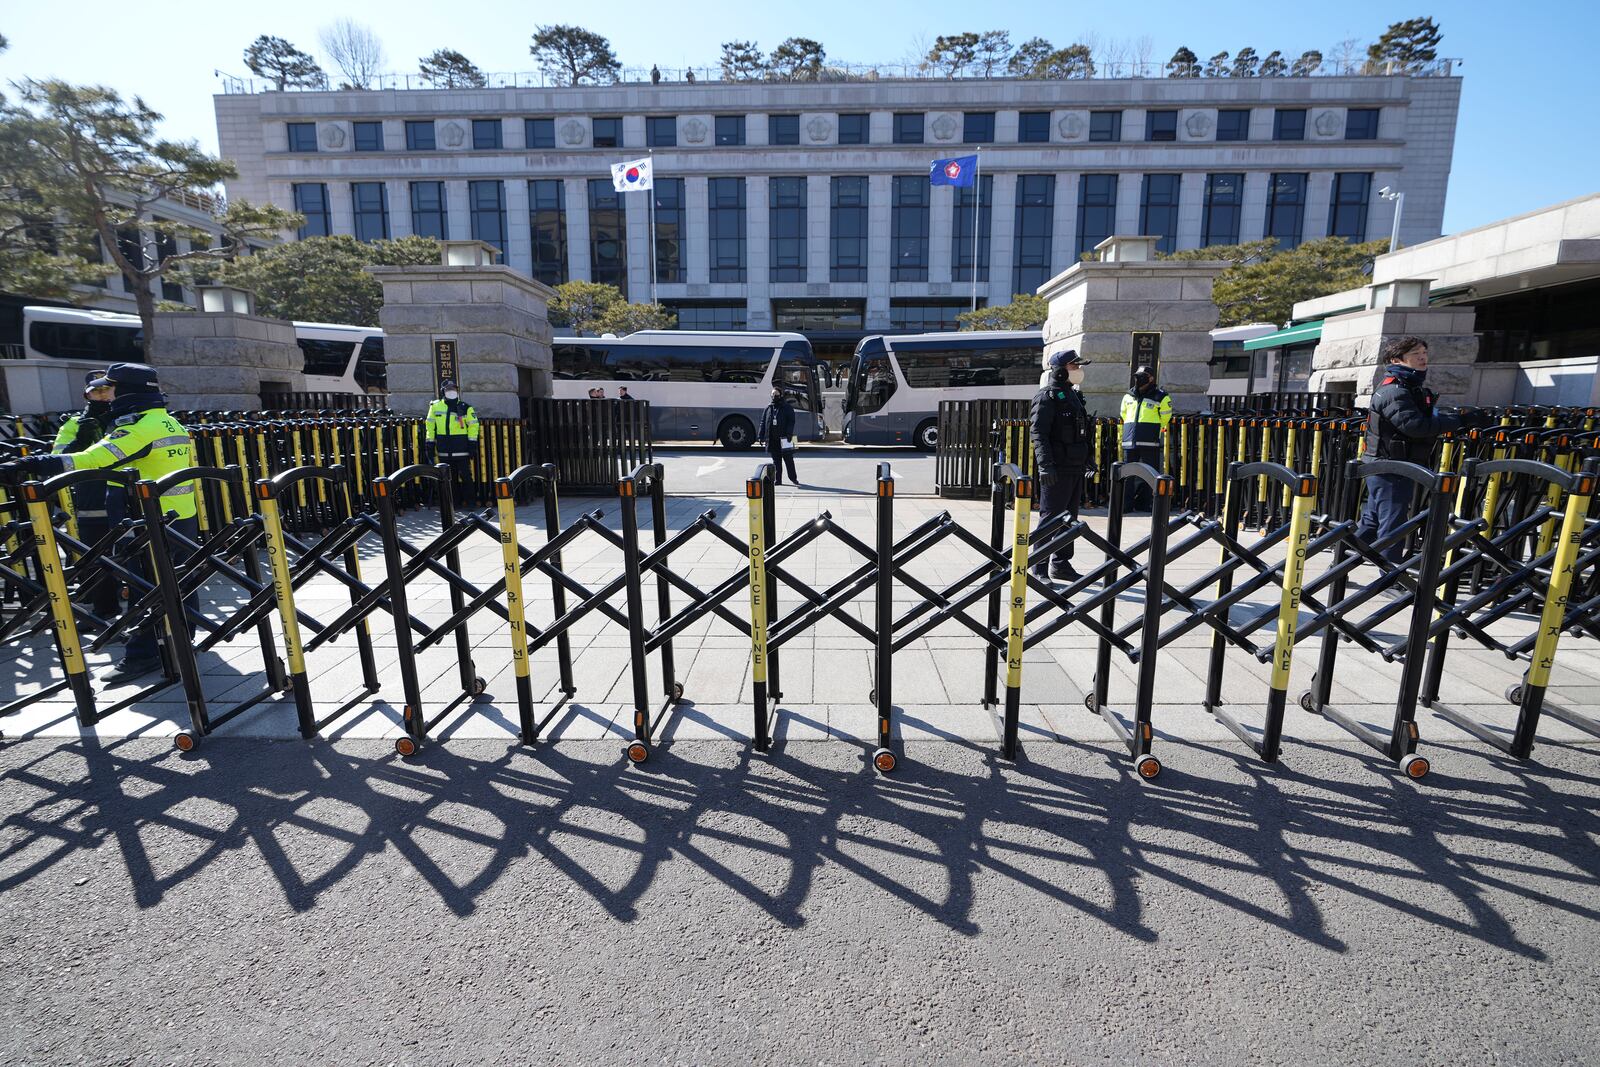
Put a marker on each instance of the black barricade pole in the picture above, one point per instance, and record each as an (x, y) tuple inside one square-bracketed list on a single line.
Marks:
[(65, 627), (1018, 606), (415, 723), (178, 641), (639, 747), (883, 757), (755, 491)]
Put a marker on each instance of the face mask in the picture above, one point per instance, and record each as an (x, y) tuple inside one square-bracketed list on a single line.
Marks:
[(450, 394), (1075, 375)]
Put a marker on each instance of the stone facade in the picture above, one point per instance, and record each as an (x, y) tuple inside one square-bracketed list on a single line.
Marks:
[(498, 318), (1095, 308), (219, 361), (1349, 346)]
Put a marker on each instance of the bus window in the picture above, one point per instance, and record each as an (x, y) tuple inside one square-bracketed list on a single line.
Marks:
[(578, 363), (328, 358), (939, 368), (372, 371), (872, 384), (71, 340)]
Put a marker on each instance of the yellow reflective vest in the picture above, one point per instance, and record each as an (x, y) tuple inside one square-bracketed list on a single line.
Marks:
[(449, 433), (1145, 419), (152, 444)]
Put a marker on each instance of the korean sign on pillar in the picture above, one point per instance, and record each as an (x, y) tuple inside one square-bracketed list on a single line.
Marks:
[(445, 365)]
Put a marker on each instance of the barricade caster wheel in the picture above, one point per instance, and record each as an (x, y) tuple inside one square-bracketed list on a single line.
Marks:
[(1514, 693), (872, 697), (884, 761), (638, 752), (479, 685), (1147, 766), (677, 691), (184, 741), (1091, 703), (1308, 702), (1415, 766), (405, 746)]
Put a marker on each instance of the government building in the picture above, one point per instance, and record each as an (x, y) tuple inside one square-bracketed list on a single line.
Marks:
[(807, 206)]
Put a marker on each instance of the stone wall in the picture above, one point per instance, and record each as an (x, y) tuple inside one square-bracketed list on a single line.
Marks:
[(1349, 347), (1096, 308), (218, 361)]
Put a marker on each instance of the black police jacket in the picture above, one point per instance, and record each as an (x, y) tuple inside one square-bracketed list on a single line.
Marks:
[(1403, 422), (1063, 433)]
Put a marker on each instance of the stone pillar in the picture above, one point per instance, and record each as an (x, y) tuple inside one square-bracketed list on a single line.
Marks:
[(1347, 352), (219, 358), (1098, 307), (496, 317)]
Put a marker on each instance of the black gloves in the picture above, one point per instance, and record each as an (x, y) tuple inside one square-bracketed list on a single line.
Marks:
[(31, 467), (1478, 418), (1048, 478)]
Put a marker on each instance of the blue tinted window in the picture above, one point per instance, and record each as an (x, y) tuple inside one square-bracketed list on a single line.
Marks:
[(487, 203), (428, 210), (302, 136), (908, 226), (1097, 210), (1035, 225), (848, 230), (725, 220), (370, 203), (311, 200), (608, 235), (786, 198), (547, 222), (854, 129), (1158, 210), (730, 129), (1160, 125), (419, 136), (1033, 127), (369, 136), (1347, 214), (486, 134), (1361, 124), (1289, 124), (661, 131), (966, 203), (1105, 126), (783, 129), (539, 133), (1220, 220), (1286, 209), (977, 127), (908, 128), (669, 229)]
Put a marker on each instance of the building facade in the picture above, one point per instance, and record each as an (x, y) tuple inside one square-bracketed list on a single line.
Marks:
[(807, 206)]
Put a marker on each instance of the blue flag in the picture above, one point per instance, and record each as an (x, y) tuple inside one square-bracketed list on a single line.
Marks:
[(962, 170)]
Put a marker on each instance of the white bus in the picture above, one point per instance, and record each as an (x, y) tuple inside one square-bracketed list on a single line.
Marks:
[(338, 359), (1232, 368), (701, 384), (896, 383)]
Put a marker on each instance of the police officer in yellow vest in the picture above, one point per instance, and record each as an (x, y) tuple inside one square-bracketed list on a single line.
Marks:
[(98, 506), (452, 437), (145, 439), (1146, 413)]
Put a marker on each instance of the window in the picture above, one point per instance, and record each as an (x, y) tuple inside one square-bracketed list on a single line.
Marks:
[(539, 133), (968, 200), (908, 227), (1033, 127), (927, 316), (369, 201), (130, 239), (312, 202), (783, 129), (1160, 125), (547, 222), (725, 218), (1361, 124), (786, 200), (669, 229), (1097, 210), (1036, 200), (939, 365), (632, 361), (326, 357), (71, 340), (661, 131), (419, 136), (369, 136), (847, 260), (854, 129), (1158, 210), (167, 245), (977, 127), (372, 371), (608, 133), (428, 214), (1219, 225), (1347, 215), (487, 204), (1289, 124), (1233, 124), (1286, 209), (807, 315), (908, 128), (302, 136), (730, 129), (608, 235), (486, 134), (1105, 125), (704, 315)]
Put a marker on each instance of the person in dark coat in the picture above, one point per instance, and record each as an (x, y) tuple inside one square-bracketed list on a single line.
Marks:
[(1403, 422), (1063, 440), (777, 426)]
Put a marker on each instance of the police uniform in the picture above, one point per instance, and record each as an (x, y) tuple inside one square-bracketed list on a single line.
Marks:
[(97, 506), (1146, 413), (1063, 442), (452, 433), (1402, 423)]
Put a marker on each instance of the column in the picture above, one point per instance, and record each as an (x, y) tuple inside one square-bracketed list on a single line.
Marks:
[(1130, 196), (1064, 224), (1191, 208), (757, 251), (1319, 193), (1253, 215), (341, 211), (459, 208), (577, 194), (637, 209), (698, 230), (399, 207), (879, 190), (519, 236), (1003, 237), (941, 225), (819, 222)]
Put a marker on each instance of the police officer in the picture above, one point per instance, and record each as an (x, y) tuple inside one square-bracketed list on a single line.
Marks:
[(98, 506), (776, 430), (1146, 412), (1063, 439), (147, 440), (1402, 423), (452, 437)]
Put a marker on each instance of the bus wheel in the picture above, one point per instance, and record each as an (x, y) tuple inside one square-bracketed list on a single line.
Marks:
[(737, 433), (927, 437)]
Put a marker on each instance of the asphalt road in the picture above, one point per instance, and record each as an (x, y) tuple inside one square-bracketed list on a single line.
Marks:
[(826, 468), (290, 903)]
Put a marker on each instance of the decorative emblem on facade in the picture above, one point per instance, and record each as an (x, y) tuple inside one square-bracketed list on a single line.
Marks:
[(1071, 126), (694, 131), (1327, 123), (572, 131), (1198, 124), (452, 134), (944, 128), (333, 136), (819, 129)]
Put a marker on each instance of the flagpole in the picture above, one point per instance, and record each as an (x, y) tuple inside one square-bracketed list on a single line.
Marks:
[(652, 222), (977, 218)]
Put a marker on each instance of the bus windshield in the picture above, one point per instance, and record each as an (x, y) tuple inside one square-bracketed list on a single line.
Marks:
[(872, 378)]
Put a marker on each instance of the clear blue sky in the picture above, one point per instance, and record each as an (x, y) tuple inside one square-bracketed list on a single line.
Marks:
[(1526, 136)]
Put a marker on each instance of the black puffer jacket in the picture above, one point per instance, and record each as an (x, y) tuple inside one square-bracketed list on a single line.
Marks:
[(1403, 421), (1063, 433)]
